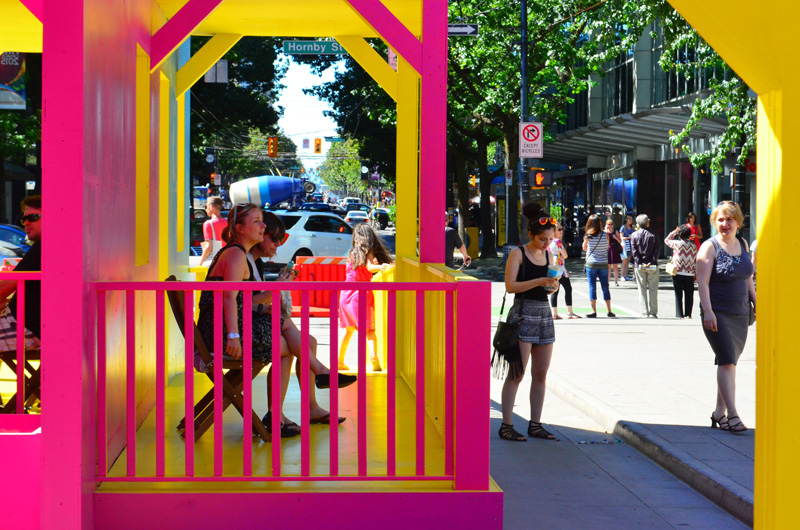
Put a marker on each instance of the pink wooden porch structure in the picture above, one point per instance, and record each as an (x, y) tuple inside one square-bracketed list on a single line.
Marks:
[(115, 182)]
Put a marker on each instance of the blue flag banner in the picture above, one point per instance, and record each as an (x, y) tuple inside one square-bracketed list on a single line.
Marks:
[(12, 81)]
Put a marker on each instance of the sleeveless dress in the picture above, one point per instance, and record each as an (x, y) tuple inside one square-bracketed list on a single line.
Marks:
[(261, 322), (614, 250), (730, 301), (348, 300), (626, 232), (531, 308)]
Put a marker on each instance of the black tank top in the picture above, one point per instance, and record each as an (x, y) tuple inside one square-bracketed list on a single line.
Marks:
[(530, 271)]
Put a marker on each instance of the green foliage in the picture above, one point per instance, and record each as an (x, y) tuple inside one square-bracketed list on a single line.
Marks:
[(224, 115), (19, 132), (341, 171), (252, 159)]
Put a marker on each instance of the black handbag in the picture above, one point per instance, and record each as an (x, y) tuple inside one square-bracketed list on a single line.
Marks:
[(752, 319), (506, 358)]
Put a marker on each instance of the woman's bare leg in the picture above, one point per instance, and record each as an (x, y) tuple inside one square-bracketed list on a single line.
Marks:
[(511, 385), (348, 334)]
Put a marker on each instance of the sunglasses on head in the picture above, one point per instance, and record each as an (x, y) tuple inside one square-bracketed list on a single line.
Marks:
[(544, 220), (32, 217)]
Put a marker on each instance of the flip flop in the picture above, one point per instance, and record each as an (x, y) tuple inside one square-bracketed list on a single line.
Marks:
[(325, 420)]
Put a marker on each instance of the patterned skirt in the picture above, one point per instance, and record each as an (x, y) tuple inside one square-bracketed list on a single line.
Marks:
[(535, 321)]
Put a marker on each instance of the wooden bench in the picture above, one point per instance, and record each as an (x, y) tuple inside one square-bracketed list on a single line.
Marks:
[(232, 382)]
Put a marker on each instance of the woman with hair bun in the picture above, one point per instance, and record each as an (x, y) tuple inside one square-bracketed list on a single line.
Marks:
[(527, 278)]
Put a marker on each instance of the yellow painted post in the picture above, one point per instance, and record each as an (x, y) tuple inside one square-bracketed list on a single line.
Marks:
[(372, 62), (407, 161), (164, 221), (768, 67), (180, 186), (142, 142)]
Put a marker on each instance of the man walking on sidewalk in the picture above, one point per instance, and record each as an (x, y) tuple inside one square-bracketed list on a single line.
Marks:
[(644, 255)]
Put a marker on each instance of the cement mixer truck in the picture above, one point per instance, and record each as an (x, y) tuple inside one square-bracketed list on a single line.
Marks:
[(271, 189)]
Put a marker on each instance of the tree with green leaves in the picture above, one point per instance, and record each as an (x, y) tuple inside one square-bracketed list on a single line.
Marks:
[(341, 171)]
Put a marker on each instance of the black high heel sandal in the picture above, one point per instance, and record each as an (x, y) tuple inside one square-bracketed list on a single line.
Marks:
[(721, 423), (736, 426)]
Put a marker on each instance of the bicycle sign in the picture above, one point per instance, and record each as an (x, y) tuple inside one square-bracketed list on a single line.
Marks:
[(530, 140)]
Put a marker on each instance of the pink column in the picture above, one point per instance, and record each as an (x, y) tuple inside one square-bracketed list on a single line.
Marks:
[(67, 311), (433, 131), (473, 343)]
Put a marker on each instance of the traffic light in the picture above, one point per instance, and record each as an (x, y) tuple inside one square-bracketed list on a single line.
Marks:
[(317, 146), (272, 147), (472, 180)]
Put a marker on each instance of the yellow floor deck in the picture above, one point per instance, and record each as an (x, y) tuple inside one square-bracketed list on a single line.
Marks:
[(290, 447)]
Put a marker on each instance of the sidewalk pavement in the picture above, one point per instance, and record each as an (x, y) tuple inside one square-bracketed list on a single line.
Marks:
[(652, 384)]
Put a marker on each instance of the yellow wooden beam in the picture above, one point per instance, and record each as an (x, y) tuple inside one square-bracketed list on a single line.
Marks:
[(372, 62), (142, 143), (203, 60), (407, 160)]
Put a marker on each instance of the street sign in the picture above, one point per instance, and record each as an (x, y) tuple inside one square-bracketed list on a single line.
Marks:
[(334, 139), (462, 30), (509, 177), (312, 47), (217, 179), (305, 143), (530, 140)]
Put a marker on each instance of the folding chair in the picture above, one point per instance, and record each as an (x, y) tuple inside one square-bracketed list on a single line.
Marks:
[(33, 378), (232, 381)]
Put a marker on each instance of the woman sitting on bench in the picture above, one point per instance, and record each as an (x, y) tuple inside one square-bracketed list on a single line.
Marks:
[(246, 229)]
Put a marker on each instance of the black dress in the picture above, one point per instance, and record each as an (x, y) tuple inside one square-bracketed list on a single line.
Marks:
[(262, 323)]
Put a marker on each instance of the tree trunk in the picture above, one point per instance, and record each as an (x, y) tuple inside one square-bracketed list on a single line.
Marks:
[(462, 180), (511, 144), (488, 248)]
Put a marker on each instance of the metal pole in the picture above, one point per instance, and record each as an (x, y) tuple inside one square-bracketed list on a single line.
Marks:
[(513, 218)]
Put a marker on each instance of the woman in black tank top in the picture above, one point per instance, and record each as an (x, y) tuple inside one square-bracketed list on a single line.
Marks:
[(527, 277)]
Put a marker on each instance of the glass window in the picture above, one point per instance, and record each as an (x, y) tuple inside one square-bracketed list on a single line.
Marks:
[(316, 224), (289, 220), (338, 227)]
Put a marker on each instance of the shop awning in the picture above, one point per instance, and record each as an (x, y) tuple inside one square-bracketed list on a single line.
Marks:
[(649, 128)]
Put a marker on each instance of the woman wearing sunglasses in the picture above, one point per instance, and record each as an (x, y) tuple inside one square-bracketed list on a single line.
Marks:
[(527, 277), (595, 243), (246, 229)]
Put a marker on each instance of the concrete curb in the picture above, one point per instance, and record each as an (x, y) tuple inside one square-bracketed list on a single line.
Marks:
[(719, 489)]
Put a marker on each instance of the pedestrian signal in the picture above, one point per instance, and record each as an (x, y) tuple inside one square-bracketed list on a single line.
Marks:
[(317, 145), (272, 147), (472, 180)]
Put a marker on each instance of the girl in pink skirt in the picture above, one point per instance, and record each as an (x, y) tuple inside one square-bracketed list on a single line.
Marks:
[(367, 257)]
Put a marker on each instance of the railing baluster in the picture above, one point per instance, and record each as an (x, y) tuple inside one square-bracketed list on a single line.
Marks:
[(219, 352), (161, 380), (130, 356), (391, 373), (305, 416), (420, 383), (188, 375), (21, 347), (449, 368), (102, 463), (362, 383), (334, 393), (247, 384), (276, 385)]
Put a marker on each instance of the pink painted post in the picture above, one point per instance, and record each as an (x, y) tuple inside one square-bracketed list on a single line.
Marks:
[(391, 381), (448, 384), (362, 383), (69, 353), (175, 31), (420, 383), (130, 381), (35, 7), (433, 129), (21, 347), (188, 375), (334, 391), (161, 381), (219, 351), (305, 439), (386, 24), (102, 464), (276, 389), (247, 385), (473, 342)]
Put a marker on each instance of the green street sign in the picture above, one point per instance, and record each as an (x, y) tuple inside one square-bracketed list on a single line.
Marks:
[(334, 139), (312, 47)]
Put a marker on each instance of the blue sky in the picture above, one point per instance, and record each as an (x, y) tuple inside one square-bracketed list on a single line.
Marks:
[(302, 117)]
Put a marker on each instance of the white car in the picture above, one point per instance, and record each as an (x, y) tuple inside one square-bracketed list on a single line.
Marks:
[(313, 234), (355, 217)]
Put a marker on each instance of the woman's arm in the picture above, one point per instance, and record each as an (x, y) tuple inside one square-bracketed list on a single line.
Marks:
[(235, 270), (699, 232), (705, 261), (585, 245), (616, 236), (671, 243)]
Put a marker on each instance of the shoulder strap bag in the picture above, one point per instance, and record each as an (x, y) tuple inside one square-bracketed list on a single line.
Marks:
[(506, 358)]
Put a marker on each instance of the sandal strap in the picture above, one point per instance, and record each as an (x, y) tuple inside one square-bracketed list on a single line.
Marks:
[(737, 426), (535, 430), (507, 432)]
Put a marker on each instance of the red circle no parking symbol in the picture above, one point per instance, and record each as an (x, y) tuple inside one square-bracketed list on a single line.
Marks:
[(530, 133)]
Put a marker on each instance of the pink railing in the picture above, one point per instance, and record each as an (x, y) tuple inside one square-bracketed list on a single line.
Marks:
[(11, 419), (463, 435)]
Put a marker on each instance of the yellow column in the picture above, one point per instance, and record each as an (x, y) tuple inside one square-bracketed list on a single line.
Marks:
[(767, 65), (407, 159)]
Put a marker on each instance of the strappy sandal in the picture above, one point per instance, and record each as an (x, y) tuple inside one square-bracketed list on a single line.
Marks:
[(535, 430), (557, 317), (720, 423), (507, 432), (736, 426), (573, 315)]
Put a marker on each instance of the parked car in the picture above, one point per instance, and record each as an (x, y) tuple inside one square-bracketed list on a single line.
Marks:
[(348, 200), (15, 241), (356, 217), (360, 206), (313, 234), (322, 207)]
